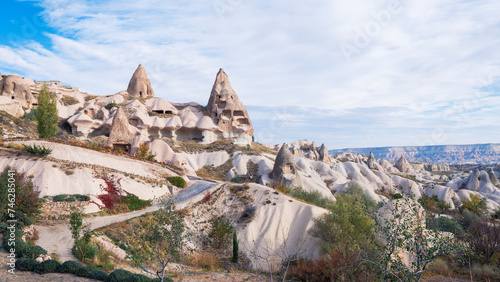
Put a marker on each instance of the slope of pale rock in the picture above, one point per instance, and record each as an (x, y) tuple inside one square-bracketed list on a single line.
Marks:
[(240, 164), (136, 105), (85, 156), (52, 180), (116, 98), (388, 166), (199, 160), (12, 107), (164, 153), (279, 227), (443, 193)]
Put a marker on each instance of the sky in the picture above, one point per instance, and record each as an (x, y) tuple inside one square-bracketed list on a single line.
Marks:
[(360, 73)]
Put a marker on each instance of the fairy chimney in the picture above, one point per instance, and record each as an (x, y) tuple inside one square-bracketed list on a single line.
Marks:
[(284, 170), (403, 165), (226, 108), (122, 134), (139, 85)]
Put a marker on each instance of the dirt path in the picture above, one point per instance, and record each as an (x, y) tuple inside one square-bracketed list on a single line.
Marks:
[(57, 238)]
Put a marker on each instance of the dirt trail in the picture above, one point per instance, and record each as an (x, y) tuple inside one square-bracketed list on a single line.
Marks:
[(57, 238)]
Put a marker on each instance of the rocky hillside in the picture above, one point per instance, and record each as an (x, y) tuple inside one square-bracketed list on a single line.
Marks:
[(444, 154)]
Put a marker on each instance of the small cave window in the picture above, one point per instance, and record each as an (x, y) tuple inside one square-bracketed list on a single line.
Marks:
[(140, 93), (13, 97)]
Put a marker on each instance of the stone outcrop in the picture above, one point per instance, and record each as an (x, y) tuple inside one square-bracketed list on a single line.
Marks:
[(323, 154), (284, 170), (139, 85), (493, 177), (403, 165), (371, 162), (121, 135), (18, 88), (229, 113)]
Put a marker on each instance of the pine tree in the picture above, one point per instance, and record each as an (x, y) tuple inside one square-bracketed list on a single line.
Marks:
[(46, 114), (235, 248)]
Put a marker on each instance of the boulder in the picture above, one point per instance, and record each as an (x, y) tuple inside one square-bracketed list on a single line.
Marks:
[(493, 177)]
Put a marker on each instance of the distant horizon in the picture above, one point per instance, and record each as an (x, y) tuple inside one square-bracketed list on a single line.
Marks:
[(355, 74)]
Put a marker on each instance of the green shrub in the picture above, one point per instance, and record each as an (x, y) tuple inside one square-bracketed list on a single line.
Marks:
[(70, 199), (475, 205), (42, 200), (177, 181), (25, 264), (111, 105), (315, 197), (38, 150), (33, 252), (123, 247), (397, 196), (60, 198), (89, 250), (134, 203), (165, 279), (48, 266), (221, 231), (99, 275), (82, 198), (119, 275), (86, 271), (445, 224), (138, 278), (69, 267), (31, 116)]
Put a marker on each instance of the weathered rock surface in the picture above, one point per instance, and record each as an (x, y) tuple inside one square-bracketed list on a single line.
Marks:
[(284, 170), (403, 165), (139, 85), (122, 133), (18, 88), (229, 113)]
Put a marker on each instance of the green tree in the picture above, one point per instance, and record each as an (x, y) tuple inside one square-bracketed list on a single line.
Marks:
[(26, 195), (220, 232), (347, 228), (235, 248), (401, 225), (46, 114), (169, 234), (77, 228)]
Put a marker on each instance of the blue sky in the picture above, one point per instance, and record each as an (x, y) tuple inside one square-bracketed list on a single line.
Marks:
[(360, 73)]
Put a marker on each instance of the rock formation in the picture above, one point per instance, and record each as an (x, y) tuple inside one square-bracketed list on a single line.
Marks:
[(323, 154), (403, 165), (371, 162), (18, 88), (284, 170), (139, 85), (230, 114), (121, 135), (493, 177)]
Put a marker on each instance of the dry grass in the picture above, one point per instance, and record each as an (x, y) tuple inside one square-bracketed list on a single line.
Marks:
[(68, 100), (216, 172), (205, 260)]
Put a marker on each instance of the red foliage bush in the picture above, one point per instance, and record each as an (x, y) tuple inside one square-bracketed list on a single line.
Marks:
[(206, 199), (113, 192)]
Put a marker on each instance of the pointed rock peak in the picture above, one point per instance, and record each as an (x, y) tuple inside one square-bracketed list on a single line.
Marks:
[(139, 85), (121, 135), (371, 156), (313, 146), (227, 109)]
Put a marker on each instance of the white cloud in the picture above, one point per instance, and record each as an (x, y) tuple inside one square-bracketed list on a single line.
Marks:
[(416, 62)]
